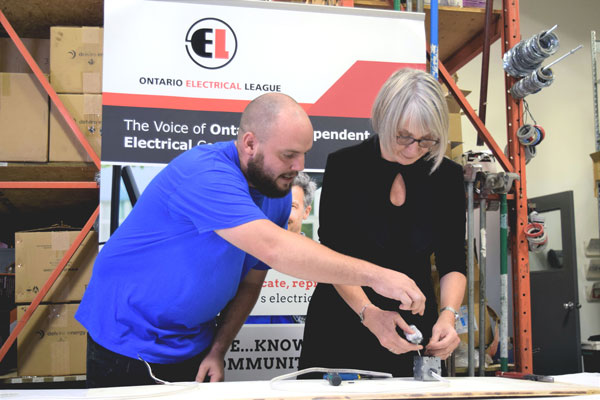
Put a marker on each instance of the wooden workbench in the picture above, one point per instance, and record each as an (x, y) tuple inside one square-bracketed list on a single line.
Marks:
[(399, 388)]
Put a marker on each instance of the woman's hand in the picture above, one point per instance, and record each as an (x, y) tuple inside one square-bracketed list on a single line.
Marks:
[(444, 338), (383, 325)]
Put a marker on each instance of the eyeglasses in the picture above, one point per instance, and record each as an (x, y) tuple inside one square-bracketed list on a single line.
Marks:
[(423, 143)]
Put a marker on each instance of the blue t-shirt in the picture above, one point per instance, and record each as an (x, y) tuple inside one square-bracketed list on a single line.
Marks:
[(164, 275)]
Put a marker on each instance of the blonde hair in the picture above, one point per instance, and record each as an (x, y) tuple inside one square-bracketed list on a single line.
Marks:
[(415, 98)]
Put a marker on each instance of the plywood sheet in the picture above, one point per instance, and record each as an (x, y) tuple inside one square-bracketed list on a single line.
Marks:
[(399, 388)]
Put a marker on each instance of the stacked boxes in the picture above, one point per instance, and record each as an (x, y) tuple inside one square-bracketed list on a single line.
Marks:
[(455, 143), (23, 103), (73, 56), (76, 75), (53, 342), (12, 61), (23, 118)]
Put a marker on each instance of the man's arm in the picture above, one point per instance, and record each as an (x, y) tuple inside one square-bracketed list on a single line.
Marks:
[(304, 258), (232, 319)]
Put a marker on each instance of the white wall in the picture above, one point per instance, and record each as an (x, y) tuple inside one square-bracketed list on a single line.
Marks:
[(564, 110)]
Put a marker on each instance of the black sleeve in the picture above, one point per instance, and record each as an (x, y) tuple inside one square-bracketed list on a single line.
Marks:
[(450, 249), (335, 210)]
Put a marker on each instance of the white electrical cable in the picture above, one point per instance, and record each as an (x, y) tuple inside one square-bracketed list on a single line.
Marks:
[(438, 377)]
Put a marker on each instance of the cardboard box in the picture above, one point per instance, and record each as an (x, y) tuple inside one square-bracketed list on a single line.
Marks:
[(86, 110), (11, 59), (454, 148), (23, 118), (37, 255), (76, 59), (52, 342), (455, 128)]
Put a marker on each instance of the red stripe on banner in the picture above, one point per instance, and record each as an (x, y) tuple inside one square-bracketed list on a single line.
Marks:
[(177, 103), (172, 102), (350, 96), (353, 94)]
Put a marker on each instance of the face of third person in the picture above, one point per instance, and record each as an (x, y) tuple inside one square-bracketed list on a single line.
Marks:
[(298, 213)]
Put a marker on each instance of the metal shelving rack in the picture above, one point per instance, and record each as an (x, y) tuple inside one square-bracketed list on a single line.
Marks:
[(48, 184), (515, 162)]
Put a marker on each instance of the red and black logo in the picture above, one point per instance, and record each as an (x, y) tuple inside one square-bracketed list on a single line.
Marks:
[(211, 43)]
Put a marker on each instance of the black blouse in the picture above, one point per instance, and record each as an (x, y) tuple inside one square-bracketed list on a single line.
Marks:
[(356, 218)]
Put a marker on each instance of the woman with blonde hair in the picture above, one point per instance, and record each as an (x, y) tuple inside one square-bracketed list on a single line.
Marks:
[(393, 200)]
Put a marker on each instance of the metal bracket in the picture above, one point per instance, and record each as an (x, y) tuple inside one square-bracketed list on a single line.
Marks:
[(470, 172), (423, 367), (501, 182)]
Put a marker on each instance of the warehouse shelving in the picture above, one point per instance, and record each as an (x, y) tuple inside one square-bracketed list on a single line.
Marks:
[(15, 177), (460, 40)]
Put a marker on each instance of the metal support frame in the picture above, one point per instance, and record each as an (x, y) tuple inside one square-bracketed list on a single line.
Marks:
[(115, 197), (518, 243), (133, 192), (471, 49), (474, 118), (485, 64), (482, 277), (515, 162), (48, 185)]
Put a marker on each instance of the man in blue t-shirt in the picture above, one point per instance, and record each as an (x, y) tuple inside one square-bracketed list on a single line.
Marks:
[(197, 246)]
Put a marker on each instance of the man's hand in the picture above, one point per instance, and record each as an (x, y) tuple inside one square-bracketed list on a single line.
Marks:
[(444, 338), (383, 325), (396, 285), (212, 366)]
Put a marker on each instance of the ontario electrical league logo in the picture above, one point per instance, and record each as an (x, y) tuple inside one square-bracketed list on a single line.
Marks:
[(211, 43)]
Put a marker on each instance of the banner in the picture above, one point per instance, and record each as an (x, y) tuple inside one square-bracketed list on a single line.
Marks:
[(283, 294), (262, 352), (178, 74)]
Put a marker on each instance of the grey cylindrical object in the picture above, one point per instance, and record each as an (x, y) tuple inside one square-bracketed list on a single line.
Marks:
[(470, 282), (482, 296), (528, 55)]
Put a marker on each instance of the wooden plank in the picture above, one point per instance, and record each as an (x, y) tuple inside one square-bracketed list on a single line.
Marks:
[(22, 209), (398, 388), (52, 171), (33, 18), (458, 26)]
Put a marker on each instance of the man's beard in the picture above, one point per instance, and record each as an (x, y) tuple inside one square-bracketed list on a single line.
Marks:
[(264, 183)]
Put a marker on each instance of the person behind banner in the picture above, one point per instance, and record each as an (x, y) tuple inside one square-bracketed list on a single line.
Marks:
[(197, 245), (303, 192), (393, 200)]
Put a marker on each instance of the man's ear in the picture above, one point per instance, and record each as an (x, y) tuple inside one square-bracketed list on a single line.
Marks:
[(249, 143), (307, 212)]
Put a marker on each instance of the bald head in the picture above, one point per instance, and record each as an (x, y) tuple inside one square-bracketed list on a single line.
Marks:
[(275, 133), (264, 114)]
